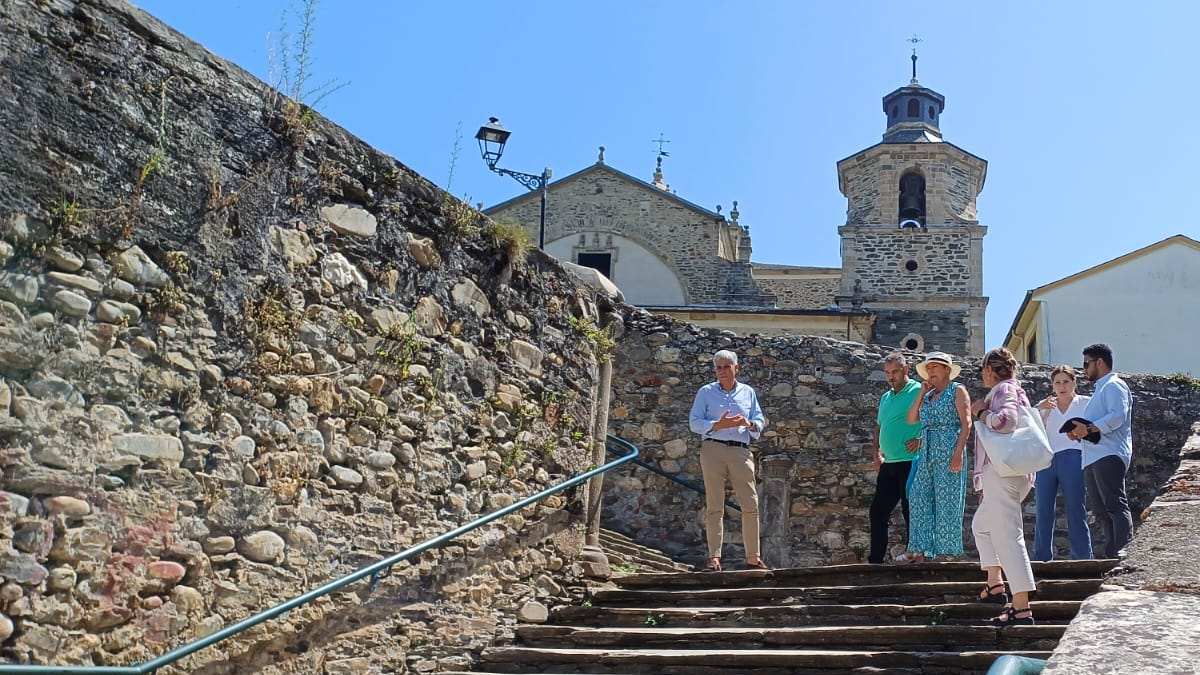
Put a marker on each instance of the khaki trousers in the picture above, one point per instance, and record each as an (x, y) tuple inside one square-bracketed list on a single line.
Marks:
[(718, 461), (997, 525)]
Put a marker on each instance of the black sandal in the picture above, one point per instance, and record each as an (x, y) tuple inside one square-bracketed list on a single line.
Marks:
[(1009, 618), (1000, 598)]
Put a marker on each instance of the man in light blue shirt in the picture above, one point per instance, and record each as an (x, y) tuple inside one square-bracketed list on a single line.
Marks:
[(1106, 460), (726, 415)]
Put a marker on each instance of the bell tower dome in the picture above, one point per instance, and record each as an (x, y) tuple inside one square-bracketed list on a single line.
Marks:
[(913, 112)]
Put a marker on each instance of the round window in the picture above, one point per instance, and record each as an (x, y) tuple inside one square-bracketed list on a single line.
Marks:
[(911, 265), (913, 342)]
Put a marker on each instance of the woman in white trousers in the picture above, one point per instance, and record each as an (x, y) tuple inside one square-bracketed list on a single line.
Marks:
[(998, 522)]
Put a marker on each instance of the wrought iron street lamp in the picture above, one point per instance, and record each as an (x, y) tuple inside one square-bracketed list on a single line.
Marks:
[(492, 137)]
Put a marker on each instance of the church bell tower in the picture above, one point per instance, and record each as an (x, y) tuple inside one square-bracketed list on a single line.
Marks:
[(912, 245)]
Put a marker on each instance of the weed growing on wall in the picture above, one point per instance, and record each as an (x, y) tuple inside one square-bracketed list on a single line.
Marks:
[(153, 164), (512, 239), (462, 221), (290, 56), (455, 151), (601, 339)]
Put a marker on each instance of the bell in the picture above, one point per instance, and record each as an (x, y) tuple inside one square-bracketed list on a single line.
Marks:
[(912, 198)]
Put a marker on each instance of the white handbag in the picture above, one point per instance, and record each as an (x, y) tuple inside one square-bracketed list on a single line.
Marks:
[(1026, 450)]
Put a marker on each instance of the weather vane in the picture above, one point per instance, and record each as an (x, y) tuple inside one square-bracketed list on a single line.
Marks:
[(660, 140), (915, 41)]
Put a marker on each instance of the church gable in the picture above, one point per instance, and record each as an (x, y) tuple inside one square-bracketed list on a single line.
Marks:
[(649, 239), (587, 176)]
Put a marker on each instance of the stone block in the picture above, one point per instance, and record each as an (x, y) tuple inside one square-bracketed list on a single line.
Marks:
[(68, 506), (466, 294), (72, 304), (422, 250), (675, 448), (19, 288), (533, 612), (351, 220), (263, 546), (341, 273), (430, 317), (527, 356), (150, 446), (134, 266)]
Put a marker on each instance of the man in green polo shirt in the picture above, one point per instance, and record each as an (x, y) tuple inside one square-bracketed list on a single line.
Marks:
[(896, 441)]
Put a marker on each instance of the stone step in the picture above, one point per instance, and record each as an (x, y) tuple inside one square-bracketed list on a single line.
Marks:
[(843, 575), (917, 593), (966, 613), (623, 563), (639, 551), (613, 535), (616, 536), (618, 542), (736, 661), (909, 638)]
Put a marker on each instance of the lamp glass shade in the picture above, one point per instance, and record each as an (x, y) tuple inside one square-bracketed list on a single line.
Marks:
[(492, 137)]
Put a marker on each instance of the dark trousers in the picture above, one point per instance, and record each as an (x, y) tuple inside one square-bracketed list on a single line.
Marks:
[(890, 487), (1105, 480)]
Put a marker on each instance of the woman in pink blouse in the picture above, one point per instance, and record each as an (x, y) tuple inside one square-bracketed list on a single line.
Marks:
[(997, 525)]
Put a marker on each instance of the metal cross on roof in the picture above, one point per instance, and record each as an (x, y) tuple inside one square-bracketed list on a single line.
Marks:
[(915, 41), (660, 140)]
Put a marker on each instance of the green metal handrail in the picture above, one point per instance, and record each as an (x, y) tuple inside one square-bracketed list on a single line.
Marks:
[(676, 479), (373, 570)]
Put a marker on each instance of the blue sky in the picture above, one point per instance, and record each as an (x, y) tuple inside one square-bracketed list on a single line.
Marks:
[(1086, 112)]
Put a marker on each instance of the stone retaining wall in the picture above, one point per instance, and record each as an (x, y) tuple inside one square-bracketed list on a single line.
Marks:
[(242, 353), (816, 477)]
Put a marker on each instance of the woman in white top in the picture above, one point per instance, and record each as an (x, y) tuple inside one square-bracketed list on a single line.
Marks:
[(1065, 472)]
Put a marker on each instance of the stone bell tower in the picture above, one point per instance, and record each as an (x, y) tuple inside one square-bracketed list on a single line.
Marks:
[(912, 245)]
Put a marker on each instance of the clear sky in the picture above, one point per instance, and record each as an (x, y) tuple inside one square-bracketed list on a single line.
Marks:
[(1086, 112)]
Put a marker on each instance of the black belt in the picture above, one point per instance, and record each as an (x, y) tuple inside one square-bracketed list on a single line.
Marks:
[(736, 444)]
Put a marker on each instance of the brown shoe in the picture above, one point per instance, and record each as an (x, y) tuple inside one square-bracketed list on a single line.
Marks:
[(714, 565), (757, 565)]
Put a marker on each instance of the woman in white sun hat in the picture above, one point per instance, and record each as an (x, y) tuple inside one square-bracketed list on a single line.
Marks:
[(937, 487)]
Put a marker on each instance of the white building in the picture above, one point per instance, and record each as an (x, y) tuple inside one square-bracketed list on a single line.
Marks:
[(1145, 305)]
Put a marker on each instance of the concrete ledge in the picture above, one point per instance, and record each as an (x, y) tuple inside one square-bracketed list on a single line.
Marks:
[(1145, 619), (1130, 632), (1165, 554)]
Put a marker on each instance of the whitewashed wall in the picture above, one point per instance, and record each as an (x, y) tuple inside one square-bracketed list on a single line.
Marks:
[(642, 276), (1147, 310)]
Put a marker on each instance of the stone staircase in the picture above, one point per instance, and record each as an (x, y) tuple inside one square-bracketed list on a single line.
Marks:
[(857, 618), (626, 556)]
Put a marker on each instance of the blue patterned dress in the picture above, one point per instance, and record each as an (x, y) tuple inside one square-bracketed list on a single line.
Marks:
[(936, 497)]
